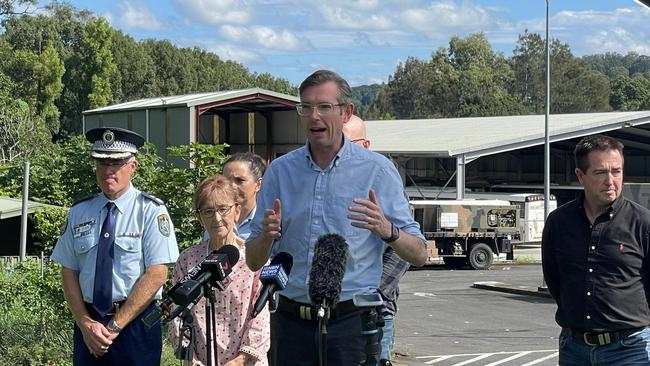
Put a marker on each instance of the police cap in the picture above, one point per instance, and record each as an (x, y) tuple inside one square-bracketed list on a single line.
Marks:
[(113, 142)]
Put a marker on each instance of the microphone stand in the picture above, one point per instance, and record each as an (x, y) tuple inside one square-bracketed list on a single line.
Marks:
[(186, 331), (321, 333), (210, 319)]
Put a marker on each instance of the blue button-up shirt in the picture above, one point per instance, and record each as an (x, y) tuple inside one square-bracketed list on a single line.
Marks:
[(144, 236), (244, 228), (315, 202)]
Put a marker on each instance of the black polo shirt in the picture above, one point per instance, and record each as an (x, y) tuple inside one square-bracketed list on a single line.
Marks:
[(598, 274)]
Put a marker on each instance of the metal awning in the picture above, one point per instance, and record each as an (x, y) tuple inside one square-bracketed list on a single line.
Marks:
[(11, 207)]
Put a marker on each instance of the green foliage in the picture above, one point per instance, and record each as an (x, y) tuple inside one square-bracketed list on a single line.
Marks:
[(614, 65), (59, 176), (13, 6), (66, 174), (575, 87), (99, 65), (176, 186), (630, 94), (49, 224), (36, 324), (467, 79), (48, 73)]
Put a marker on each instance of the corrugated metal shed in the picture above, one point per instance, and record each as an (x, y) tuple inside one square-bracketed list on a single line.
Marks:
[(480, 136)]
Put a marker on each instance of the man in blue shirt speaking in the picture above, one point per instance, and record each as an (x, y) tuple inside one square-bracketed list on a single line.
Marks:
[(114, 254), (329, 186)]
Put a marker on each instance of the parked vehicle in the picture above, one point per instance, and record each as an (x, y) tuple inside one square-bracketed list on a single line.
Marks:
[(531, 208), (468, 231)]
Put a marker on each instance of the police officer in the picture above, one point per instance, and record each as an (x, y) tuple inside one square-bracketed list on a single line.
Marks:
[(114, 254)]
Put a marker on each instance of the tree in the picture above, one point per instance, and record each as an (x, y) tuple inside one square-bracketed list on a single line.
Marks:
[(136, 78), (483, 78), (48, 73), (630, 94), (10, 7), (575, 87), (528, 65), (99, 66), (21, 131), (467, 79)]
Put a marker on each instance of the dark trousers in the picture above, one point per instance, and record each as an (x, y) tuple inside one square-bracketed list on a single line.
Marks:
[(136, 345), (295, 340)]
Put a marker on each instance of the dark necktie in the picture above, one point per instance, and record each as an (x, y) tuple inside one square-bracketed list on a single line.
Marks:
[(103, 291)]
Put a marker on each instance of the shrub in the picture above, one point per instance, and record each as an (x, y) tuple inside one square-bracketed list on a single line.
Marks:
[(35, 322)]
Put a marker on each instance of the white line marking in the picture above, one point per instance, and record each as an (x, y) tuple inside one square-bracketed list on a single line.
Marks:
[(439, 359), (513, 357), (493, 353), (424, 294), (472, 360), (541, 359)]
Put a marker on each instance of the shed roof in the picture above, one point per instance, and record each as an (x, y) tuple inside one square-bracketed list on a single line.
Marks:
[(479, 136), (254, 97), (11, 207)]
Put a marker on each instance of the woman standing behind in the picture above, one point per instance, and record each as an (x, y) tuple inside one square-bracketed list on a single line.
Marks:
[(241, 340), (246, 171)]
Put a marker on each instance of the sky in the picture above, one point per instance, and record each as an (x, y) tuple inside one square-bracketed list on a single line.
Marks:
[(364, 40)]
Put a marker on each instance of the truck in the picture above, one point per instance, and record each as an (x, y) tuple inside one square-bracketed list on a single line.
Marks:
[(531, 207), (470, 231)]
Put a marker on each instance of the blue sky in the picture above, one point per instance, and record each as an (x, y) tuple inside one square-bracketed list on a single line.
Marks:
[(364, 40)]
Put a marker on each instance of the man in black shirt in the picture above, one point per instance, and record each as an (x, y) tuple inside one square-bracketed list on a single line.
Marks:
[(595, 256)]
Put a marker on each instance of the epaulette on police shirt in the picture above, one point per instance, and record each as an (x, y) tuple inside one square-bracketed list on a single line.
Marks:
[(84, 199), (157, 200)]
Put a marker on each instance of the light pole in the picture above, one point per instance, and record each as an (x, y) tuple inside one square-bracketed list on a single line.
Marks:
[(547, 144)]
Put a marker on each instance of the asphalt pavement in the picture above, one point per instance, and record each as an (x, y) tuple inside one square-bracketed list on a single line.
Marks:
[(477, 318)]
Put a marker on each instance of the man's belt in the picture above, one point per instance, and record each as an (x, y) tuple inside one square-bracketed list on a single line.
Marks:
[(599, 339), (309, 312), (114, 309)]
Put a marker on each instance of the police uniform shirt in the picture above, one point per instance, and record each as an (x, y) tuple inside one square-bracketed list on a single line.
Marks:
[(144, 236)]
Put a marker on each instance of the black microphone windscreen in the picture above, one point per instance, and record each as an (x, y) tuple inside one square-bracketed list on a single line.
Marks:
[(285, 259), (327, 269)]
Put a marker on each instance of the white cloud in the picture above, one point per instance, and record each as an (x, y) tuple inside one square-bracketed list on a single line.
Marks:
[(234, 53), (136, 15), (618, 40), (216, 12), (266, 37), (444, 17), (589, 32), (343, 18)]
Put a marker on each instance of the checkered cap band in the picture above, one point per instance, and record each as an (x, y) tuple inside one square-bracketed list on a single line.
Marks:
[(115, 147)]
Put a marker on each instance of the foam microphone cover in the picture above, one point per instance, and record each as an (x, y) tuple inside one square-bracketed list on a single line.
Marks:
[(327, 269)]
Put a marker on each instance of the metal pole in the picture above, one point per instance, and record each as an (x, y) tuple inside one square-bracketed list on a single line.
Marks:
[(23, 218), (547, 144)]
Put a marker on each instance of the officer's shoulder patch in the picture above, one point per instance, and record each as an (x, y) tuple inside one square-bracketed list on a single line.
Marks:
[(84, 199), (164, 224), (151, 197)]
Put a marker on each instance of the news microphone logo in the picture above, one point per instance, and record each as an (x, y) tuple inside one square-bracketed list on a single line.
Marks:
[(274, 277)]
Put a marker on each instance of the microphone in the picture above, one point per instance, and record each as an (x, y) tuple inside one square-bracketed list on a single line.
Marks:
[(327, 270), (274, 278), (214, 268)]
